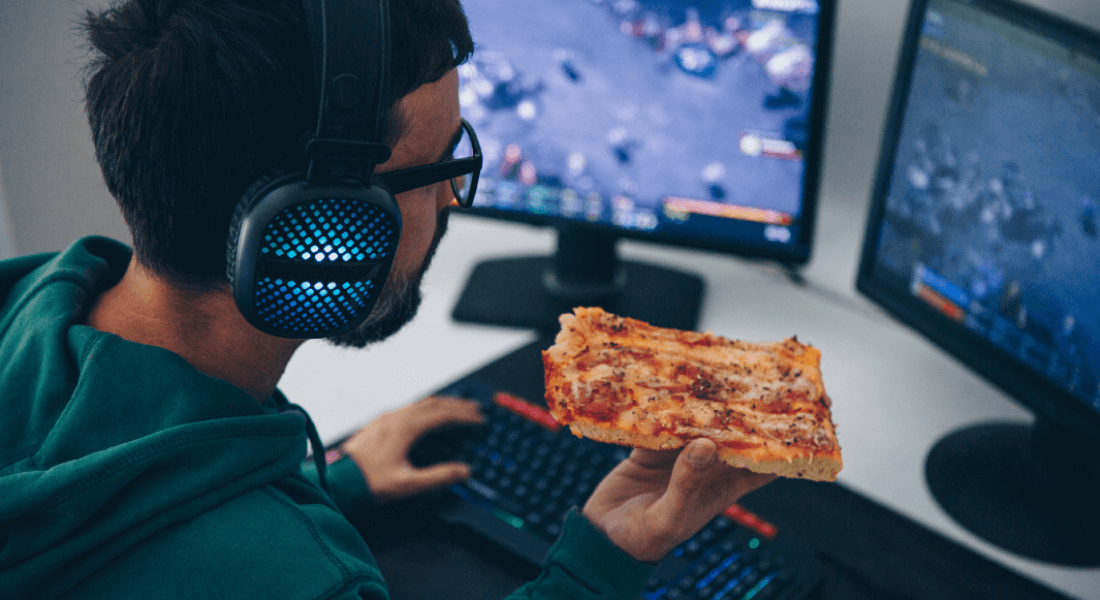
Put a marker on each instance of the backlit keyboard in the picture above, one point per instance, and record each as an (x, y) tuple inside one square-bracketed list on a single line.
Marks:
[(527, 473)]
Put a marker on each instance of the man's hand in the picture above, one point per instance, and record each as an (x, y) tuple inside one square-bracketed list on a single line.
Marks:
[(654, 500), (381, 448)]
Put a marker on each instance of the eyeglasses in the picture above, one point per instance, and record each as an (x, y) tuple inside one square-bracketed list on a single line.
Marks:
[(463, 169)]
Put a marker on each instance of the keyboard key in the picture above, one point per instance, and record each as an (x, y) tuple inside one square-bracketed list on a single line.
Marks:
[(766, 593), (782, 579), (692, 548), (553, 512), (707, 535), (482, 489)]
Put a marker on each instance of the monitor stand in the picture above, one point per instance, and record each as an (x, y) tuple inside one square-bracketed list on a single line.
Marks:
[(1033, 490), (531, 291)]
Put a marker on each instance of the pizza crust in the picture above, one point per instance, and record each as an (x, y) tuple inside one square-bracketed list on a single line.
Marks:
[(660, 441), (813, 467)]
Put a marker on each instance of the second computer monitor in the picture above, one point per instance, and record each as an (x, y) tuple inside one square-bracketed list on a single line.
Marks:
[(983, 237)]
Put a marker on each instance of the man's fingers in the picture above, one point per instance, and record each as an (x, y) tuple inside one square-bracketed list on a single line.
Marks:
[(700, 477), (436, 476), (428, 400), (691, 468), (424, 416)]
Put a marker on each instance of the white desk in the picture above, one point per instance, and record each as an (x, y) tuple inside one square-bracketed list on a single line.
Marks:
[(867, 360)]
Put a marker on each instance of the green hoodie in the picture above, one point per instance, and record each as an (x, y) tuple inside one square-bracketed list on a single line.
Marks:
[(126, 473)]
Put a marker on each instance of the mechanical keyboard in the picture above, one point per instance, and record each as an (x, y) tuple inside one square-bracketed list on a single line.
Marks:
[(527, 473)]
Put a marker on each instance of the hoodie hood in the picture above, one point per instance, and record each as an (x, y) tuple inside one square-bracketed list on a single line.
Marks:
[(105, 442)]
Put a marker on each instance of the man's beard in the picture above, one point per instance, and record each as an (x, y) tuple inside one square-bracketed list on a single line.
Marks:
[(398, 303)]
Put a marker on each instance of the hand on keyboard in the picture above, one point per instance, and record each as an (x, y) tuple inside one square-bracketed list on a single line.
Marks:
[(655, 500), (381, 448)]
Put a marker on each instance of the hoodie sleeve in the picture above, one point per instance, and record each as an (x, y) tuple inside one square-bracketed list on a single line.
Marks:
[(349, 488), (585, 565)]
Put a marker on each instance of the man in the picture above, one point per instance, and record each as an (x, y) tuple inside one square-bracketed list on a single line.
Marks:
[(144, 449)]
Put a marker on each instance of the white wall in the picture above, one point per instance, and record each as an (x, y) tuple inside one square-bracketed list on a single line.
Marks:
[(5, 232), (53, 188), (54, 192)]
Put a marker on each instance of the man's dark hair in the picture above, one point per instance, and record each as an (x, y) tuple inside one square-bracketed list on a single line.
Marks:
[(190, 101)]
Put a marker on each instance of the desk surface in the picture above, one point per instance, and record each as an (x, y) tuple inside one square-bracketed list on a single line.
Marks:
[(867, 359)]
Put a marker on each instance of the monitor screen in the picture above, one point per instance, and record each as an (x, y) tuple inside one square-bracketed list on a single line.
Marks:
[(989, 206), (681, 121)]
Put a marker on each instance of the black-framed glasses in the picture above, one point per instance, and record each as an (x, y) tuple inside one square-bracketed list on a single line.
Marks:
[(463, 169)]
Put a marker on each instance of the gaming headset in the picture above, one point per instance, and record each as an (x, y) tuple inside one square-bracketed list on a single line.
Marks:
[(308, 252)]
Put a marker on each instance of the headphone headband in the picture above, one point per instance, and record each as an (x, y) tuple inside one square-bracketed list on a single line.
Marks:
[(351, 72)]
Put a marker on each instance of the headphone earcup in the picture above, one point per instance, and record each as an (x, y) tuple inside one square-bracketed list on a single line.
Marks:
[(309, 260), (248, 200)]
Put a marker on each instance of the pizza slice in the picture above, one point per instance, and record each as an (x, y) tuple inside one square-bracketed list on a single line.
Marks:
[(623, 381)]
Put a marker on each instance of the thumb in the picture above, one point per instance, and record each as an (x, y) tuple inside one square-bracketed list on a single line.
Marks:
[(436, 476), (690, 471), (677, 509)]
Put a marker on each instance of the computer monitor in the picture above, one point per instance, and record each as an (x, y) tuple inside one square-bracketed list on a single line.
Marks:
[(686, 122), (983, 236)]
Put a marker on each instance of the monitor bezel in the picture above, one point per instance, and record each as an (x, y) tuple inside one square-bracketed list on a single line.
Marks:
[(797, 253), (1003, 370)]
